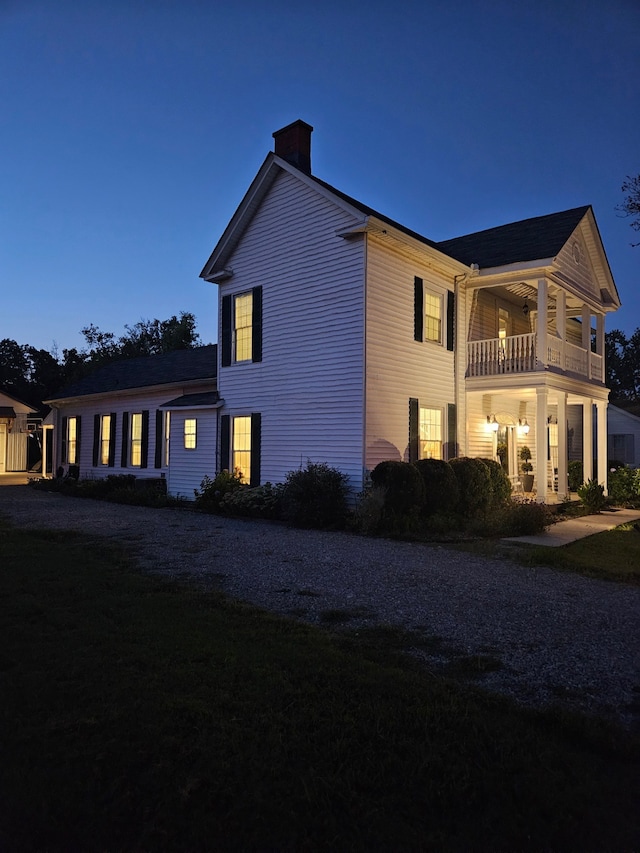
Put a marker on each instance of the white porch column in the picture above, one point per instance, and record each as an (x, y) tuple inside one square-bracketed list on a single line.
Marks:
[(542, 395), (563, 467), (587, 438), (601, 409), (586, 336), (543, 313), (600, 338), (561, 315)]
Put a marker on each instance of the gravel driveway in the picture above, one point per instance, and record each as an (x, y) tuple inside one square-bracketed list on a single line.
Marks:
[(555, 637)]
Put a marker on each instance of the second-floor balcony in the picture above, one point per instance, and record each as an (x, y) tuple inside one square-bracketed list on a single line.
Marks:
[(519, 354)]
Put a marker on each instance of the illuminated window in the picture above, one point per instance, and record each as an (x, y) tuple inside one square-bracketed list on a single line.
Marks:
[(190, 428), (432, 317), (72, 441), (136, 440), (243, 326), (430, 433), (242, 447), (167, 435), (105, 435)]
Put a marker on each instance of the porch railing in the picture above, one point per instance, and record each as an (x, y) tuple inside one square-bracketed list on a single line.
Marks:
[(496, 356), (518, 354)]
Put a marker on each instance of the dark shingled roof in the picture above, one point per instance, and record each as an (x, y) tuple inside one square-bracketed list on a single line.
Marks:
[(7, 412), (369, 211), (178, 366), (528, 240), (206, 398)]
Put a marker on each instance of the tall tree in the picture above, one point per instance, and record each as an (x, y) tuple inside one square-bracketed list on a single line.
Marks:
[(631, 204), (622, 357)]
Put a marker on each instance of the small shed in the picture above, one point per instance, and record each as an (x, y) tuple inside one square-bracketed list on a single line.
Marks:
[(18, 426)]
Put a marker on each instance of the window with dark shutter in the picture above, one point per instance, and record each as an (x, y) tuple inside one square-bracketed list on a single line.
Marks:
[(414, 430), (96, 440), (112, 440), (157, 458), (225, 441), (418, 309), (145, 439), (64, 442), (256, 438), (78, 437), (124, 450), (450, 321), (452, 431), (226, 331), (256, 328)]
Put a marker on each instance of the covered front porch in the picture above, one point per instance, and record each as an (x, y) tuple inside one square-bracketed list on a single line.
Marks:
[(535, 431)]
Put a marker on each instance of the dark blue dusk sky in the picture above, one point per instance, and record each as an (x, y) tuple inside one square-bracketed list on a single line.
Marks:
[(130, 131)]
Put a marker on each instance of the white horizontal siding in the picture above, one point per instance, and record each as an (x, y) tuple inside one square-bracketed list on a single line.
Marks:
[(309, 385), (143, 400), (397, 366), (187, 468), (580, 272)]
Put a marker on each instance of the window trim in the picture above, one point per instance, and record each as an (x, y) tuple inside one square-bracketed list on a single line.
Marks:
[(72, 443), (166, 439), (188, 434), (438, 297), (421, 441), (247, 329), (105, 440), (135, 442)]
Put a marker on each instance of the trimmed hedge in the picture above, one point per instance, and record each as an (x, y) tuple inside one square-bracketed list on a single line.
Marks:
[(403, 485), (474, 482), (441, 490)]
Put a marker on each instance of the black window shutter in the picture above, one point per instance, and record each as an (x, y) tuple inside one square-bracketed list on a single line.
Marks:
[(96, 440), (124, 450), (78, 437), (256, 438), (157, 460), (452, 431), (451, 312), (418, 309), (65, 438), (225, 441), (226, 331), (145, 439), (256, 325), (112, 440), (414, 434)]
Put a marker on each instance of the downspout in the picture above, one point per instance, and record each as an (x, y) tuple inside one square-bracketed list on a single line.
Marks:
[(364, 362)]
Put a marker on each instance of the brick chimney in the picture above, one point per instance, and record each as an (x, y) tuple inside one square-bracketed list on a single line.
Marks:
[(293, 144)]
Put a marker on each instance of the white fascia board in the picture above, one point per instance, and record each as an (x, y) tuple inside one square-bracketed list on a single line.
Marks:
[(202, 407), (440, 260), (242, 216)]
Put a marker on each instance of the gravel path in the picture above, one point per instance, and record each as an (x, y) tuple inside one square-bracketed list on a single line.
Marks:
[(560, 638)]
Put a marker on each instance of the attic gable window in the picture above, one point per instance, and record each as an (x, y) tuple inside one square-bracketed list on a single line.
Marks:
[(241, 337)]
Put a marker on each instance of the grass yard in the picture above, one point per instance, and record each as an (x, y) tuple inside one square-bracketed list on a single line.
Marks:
[(136, 715), (614, 555)]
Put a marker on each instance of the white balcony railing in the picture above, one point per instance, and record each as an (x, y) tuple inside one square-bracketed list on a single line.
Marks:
[(496, 356), (518, 354)]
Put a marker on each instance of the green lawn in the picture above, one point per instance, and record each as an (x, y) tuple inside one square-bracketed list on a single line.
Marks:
[(614, 555), (139, 715)]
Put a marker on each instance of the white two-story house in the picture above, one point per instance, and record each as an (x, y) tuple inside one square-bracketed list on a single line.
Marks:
[(349, 339)]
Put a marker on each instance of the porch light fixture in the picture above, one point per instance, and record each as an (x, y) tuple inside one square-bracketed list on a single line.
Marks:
[(524, 426), (492, 423), (525, 307)]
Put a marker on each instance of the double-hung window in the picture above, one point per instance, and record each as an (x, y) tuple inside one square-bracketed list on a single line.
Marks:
[(72, 441), (430, 436), (105, 438), (241, 339), (136, 439), (242, 446), (433, 314), (190, 433), (167, 436), (243, 326), (432, 317)]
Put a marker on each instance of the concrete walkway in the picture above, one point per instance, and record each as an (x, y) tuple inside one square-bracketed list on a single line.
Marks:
[(565, 532)]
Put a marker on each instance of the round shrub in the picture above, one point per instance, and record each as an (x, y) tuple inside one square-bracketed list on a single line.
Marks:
[(441, 491), (500, 483), (624, 485), (211, 492), (316, 496), (474, 482), (403, 485), (575, 475)]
